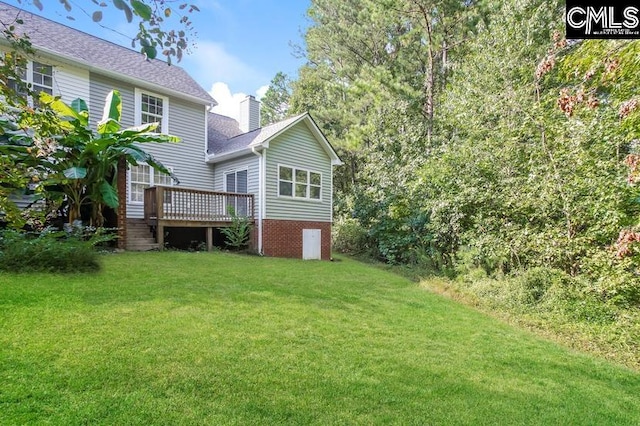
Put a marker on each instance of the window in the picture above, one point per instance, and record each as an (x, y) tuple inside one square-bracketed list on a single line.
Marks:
[(152, 108), (236, 181), (299, 183), (140, 178), (38, 75), (42, 78)]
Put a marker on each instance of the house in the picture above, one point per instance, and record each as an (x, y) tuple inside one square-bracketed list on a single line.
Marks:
[(279, 176)]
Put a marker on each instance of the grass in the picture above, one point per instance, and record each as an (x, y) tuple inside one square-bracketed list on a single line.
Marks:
[(200, 338)]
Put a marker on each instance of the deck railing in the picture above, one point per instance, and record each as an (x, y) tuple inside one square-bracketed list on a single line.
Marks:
[(194, 205)]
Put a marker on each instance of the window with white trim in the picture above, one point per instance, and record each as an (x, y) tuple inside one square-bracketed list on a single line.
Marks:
[(299, 183), (36, 74), (236, 181), (42, 78), (141, 177), (152, 108)]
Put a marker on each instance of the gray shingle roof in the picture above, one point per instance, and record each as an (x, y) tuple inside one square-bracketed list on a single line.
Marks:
[(101, 55), (221, 129)]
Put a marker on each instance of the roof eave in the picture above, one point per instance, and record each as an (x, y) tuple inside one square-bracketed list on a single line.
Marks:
[(132, 80), (217, 158)]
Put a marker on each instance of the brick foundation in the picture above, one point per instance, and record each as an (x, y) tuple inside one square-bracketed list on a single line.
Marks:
[(283, 238)]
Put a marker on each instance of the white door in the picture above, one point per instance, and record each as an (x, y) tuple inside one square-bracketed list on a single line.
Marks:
[(311, 244)]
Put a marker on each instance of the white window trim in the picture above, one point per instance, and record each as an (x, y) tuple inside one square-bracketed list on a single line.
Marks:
[(165, 109), (233, 171), (226, 204), (29, 79), (30, 71), (151, 182), (293, 196)]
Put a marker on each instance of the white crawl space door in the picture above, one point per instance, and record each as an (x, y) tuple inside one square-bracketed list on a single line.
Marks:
[(311, 246)]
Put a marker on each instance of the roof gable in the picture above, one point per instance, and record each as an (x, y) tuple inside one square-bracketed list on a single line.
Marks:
[(241, 144), (59, 41)]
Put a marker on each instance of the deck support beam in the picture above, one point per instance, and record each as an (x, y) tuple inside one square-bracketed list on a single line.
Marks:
[(209, 238), (160, 236)]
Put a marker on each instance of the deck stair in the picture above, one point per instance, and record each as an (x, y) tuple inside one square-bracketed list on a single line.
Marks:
[(139, 236)]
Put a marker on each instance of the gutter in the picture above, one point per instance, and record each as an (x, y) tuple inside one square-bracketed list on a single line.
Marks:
[(213, 158), (70, 60)]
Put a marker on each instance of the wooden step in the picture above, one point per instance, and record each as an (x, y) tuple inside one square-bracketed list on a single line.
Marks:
[(139, 236), (141, 246)]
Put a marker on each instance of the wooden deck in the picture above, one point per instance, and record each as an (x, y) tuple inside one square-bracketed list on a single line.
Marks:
[(167, 206)]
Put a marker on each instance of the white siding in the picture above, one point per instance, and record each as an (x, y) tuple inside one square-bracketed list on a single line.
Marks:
[(71, 83), (68, 82), (251, 163), (297, 147), (186, 120)]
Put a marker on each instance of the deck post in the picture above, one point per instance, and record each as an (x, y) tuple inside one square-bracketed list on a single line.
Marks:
[(209, 238), (160, 235), (160, 216)]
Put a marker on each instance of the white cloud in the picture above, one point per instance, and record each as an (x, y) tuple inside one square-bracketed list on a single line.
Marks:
[(229, 103), (261, 92)]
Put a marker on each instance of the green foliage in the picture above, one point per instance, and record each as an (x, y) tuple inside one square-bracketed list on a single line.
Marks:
[(349, 236), (69, 160), (614, 279), (239, 232), (90, 159), (49, 251), (476, 139), (152, 16), (276, 101)]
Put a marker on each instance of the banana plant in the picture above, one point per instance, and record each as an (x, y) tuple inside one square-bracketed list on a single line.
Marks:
[(85, 164)]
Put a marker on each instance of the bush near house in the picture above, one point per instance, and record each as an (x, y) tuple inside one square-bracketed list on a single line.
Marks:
[(51, 251)]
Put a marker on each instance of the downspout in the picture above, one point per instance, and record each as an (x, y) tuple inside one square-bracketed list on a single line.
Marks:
[(261, 191), (207, 110)]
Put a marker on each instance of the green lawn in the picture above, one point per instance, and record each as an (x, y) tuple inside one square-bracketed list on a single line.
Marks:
[(212, 338)]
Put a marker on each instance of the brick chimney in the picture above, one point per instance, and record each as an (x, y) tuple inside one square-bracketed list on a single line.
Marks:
[(249, 114)]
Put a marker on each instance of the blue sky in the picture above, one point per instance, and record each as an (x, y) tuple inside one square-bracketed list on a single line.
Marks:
[(239, 46)]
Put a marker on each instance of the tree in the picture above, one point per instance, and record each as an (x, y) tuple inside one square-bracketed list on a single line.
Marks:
[(25, 152), (374, 73), (276, 101), (152, 17), (68, 159), (84, 162)]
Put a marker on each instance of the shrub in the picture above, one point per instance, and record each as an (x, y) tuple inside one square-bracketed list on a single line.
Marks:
[(238, 233), (532, 285), (48, 252), (615, 279), (349, 236)]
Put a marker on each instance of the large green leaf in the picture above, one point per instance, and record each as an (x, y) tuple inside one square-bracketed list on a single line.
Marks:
[(136, 130), (135, 155), (145, 134), (79, 105), (109, 194), (150, 51), (75, 173), (112, 106), (65, 111), (108, 126), (99, 145), (142, 10), (120, 4)]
